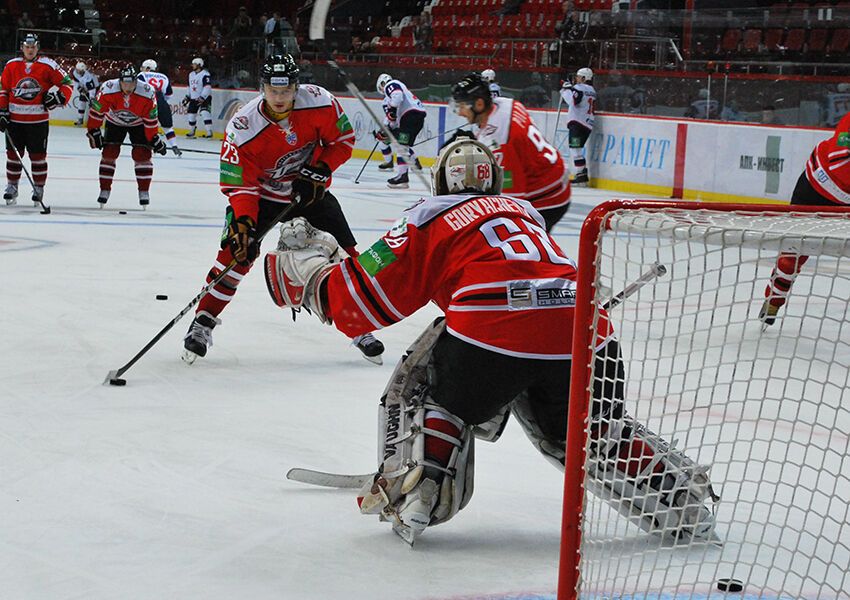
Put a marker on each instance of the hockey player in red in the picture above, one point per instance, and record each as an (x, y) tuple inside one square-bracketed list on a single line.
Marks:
[(534, 169), (26, 96), (279, 148), (824, 182), (508, 294), (128, 106)]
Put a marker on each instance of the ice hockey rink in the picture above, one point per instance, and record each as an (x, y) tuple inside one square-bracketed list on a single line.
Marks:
[(174, 485)]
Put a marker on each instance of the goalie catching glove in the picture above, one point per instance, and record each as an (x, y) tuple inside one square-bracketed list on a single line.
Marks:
[(310, 183), (295, 271), (240, 235)]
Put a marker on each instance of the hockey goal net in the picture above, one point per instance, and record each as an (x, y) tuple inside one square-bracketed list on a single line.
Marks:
[(766, 408)]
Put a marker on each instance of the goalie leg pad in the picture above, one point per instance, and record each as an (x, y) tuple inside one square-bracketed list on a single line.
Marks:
[(415, 487)]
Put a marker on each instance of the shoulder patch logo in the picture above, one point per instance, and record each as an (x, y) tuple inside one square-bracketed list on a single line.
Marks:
[(240, 123), (844, 139), (377, 257)]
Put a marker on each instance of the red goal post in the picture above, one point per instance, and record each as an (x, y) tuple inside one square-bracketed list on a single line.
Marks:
[(765, 408)]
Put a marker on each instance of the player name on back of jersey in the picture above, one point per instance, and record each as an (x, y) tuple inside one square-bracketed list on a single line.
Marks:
[(469, 212)]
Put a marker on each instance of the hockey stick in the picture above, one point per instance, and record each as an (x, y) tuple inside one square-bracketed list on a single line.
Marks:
[(323, 479), (655, 271), (182, 150), (434, 137), (114, 377), (45, 210), (368, 158), (317, 35)]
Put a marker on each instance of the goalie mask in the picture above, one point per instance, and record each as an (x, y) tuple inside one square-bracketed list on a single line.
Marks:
[(466, 165)]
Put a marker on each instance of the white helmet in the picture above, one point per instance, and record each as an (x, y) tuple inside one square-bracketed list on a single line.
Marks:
[(81, 67), (198, 61), (585, 72), (466, 165), (383, 80), (149, 64), (488, 75)]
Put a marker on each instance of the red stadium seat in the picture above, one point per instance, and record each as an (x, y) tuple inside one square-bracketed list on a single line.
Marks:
[(772, 39), (794, 40), (839, 42), (817, 40), (730, 40), (752, 41)]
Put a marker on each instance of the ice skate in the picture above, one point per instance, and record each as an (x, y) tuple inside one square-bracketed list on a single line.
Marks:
[(416, 164), (371, 347), (37, 195), (144, 198), (768, 313), (78, 123), (177, 151), (103, 198), (581, 178), (199, 337), (190, 133), (11, 195), (389, 164), (401, 182)]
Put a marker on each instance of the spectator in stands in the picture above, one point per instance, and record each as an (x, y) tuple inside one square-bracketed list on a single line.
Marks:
[(306, 74), (24, 21), (424, 33), (769, 116), (510, 7), (704, 107), (216, 40), (535, 95), (732, 112), (242, 24), (7, 38), (271, 32)]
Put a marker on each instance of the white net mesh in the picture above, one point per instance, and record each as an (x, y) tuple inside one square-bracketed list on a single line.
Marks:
[(768, 411)]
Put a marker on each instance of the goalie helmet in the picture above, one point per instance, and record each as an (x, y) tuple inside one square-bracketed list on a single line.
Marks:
[(488, 75), (279, 70), (466, 165), (81, 67), (149, 64), (198, 61), (585, 72), (383, 80), (128, 74)]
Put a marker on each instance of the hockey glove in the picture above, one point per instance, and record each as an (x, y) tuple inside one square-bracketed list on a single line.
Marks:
[(158, 145), (185, 101), (54, 99), (381, 136), (5, 119), (241, 238), (310, 183), (95, 138)]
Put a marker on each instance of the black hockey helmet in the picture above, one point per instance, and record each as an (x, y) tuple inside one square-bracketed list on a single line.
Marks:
[(470, 88), (30, 39), (128, 74), (279, 70)]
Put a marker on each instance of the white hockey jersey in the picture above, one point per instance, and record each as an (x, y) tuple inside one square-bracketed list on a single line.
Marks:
[(579, 100), (159, 82), (495, 90), (398, 100), (86, 83), (199, 85)]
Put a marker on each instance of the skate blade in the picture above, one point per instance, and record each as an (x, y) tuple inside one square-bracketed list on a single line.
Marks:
[(375, 360), (398, 186), (188, 356), (407, 534)]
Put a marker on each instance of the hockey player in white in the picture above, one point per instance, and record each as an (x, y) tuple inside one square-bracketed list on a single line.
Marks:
[(199, 98), (454, 383), (162, 85), (404, 115), (579, 97), (489, 75), (86, 83)]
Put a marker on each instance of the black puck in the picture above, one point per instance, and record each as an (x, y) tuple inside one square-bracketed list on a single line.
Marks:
[(117, 381), (730, 585), (161, 297), (122, 212)]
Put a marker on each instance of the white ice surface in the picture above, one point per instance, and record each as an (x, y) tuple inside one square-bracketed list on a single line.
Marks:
[(174, 486)]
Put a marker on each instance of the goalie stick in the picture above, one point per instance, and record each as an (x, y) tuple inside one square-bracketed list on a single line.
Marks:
[(114, 377), (317, 35), (45, 210), (655, 271)]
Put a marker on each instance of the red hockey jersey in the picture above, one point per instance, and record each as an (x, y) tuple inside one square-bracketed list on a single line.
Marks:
[(125, 110), (23, 85), (534, 169), (486, 261), (260, 157), (828, 167)]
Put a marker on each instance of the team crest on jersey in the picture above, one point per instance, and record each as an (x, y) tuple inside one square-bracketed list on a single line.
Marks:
[(124, 117), (291, 136), (27, 89), (288, 164), (240, 123)]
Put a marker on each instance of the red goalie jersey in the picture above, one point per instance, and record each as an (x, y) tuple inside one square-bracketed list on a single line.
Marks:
[(260, 157), (828, 168), (534, 169), (486, 261), (23, 85)]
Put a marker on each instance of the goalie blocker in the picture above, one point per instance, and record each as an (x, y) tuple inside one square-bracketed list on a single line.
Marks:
[(466, 374)]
